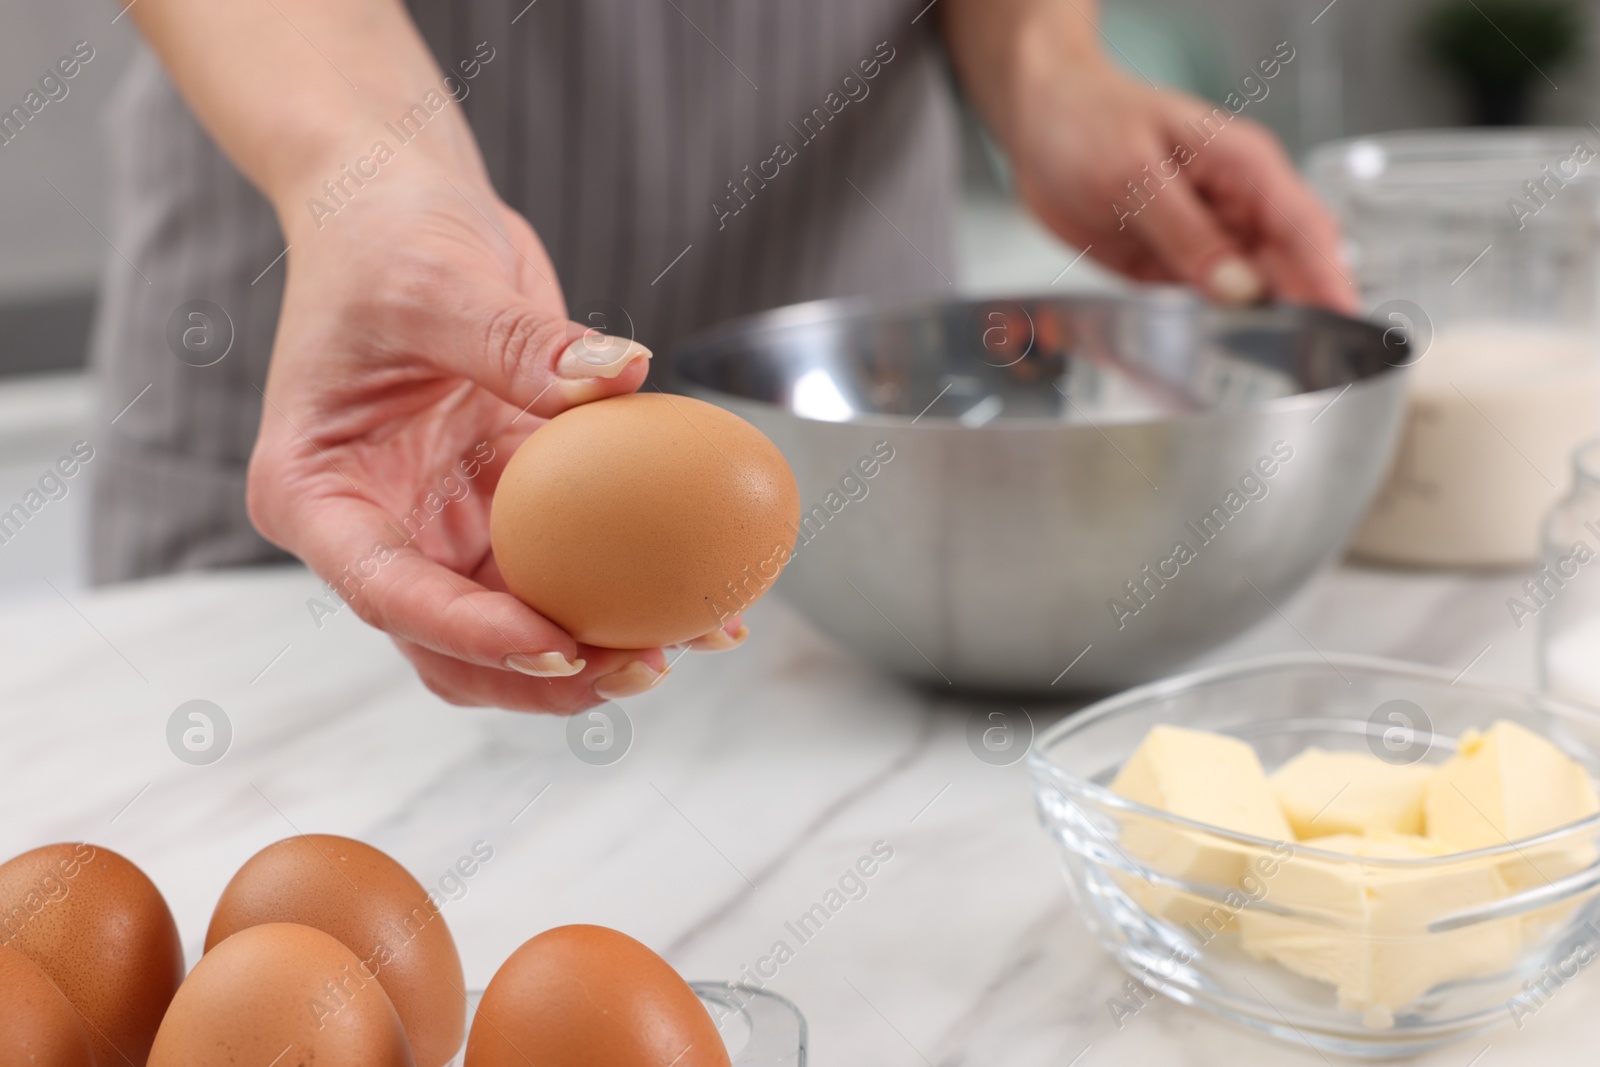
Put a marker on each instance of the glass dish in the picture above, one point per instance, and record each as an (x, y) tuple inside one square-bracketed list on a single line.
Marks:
[(1216, 919), (760, 1028)]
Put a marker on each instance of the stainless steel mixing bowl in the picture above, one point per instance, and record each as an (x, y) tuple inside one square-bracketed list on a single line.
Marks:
[(1054, 493)]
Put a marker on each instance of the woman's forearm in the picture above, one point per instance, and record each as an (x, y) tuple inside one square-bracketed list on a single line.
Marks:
[(1000, 47), (291, 88)]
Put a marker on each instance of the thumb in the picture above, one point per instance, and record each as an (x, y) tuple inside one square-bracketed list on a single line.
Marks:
[(530, 354), (1185, 237)]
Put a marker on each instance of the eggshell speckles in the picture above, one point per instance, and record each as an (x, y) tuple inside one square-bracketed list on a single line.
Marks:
[(39, 1027), (643, 520), (376, 909), (281, 995), (587, 996), (101, 931)]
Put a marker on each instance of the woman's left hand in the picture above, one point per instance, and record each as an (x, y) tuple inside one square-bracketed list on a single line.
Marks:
[(1155, 184)]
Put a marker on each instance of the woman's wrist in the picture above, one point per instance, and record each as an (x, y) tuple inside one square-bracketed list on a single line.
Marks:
[(382, 146), (1065, 47), (1012, 53), (299, 119)]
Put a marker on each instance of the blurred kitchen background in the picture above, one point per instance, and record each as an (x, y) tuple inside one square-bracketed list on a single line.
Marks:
[(1360, 66)]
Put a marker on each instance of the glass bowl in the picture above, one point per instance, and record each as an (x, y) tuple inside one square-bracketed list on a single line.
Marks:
[(761, 1029), (1416, 953)]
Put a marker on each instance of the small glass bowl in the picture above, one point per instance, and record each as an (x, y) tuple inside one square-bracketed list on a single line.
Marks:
[(761, 1029), (1425, 952)]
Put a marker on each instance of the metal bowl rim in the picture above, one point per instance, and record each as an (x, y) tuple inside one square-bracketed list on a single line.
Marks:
[(846, 309)]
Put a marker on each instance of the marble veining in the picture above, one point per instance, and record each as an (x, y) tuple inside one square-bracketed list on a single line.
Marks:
[(755, 781)]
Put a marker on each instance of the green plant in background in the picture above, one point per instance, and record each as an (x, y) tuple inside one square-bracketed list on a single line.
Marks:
[(1499, 51)]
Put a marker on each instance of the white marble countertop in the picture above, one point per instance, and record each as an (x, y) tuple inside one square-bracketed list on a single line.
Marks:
[(755, 779)]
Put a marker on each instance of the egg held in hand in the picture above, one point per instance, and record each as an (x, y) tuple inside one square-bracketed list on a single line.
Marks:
[(643, 520), (588, 996), (372, 906), (103, 934), (282, 995)]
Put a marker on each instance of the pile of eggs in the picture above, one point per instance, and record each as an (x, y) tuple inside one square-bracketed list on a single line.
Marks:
[(321, 951)]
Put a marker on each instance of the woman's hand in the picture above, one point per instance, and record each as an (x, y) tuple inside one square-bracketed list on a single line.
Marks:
[(1125, 170), (422, 338), (1155, 184)]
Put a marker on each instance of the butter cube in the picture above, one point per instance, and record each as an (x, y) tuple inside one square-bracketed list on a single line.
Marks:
[(1509, 784), (1325, 793), (1206, 777), (1211, 779), (1229, 876), (1363, 928)]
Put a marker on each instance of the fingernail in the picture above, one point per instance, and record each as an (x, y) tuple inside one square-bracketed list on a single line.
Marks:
[(637, 677), (599, 355), (545, 665), (720, 640), (1235, 281)]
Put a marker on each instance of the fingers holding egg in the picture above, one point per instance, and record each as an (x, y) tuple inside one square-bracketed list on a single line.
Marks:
[(420, 602), (629, 524), (605, 674), (727, 637), (532, 359)]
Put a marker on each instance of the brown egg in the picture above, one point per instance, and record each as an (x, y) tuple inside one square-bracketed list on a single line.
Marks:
[(38, 1025), (375, 909), (101, 931), (643, 520), (587, 996), (281, 995)]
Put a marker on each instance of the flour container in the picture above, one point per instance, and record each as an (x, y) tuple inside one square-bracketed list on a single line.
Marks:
[(1482, 247)]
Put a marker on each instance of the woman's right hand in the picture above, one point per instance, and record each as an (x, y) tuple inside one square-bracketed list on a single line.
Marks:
[(422, 338)]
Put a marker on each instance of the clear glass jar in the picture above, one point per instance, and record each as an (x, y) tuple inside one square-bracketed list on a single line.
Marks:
[(1485, 246), (1563, 596)]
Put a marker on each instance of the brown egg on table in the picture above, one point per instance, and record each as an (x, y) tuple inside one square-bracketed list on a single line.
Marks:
[(103, 934), (643, 520), (39, 1027), (374, 908), (588, 996), (281, 995)]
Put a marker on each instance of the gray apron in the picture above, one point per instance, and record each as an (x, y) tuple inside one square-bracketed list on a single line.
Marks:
[(637, 136)]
